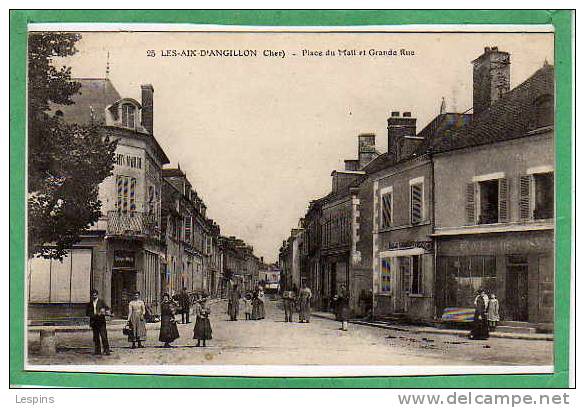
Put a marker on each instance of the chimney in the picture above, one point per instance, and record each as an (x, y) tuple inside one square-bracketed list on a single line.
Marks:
[(366, 148), (402, 139), (148, 107), (491, 78)]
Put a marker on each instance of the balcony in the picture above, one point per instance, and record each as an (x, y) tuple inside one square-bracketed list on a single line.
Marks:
[(132, 224)]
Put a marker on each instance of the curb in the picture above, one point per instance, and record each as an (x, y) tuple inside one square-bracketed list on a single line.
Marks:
[(454, 332)]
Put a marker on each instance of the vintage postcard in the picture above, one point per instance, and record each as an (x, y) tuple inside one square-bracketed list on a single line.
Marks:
[(290, 201)]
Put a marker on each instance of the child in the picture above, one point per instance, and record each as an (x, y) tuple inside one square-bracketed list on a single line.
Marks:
[(493, 312), (248, 306), (202, 330)]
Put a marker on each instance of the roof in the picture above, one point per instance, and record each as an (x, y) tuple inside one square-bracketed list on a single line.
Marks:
[(173, 173), (509, 118), (94, 96)]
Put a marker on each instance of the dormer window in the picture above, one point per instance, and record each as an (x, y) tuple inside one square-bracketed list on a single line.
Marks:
[(128, 115)]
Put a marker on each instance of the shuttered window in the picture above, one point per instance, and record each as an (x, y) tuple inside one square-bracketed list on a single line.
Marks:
[(126, 191), (524, 197), (416, 203), (386, 210)]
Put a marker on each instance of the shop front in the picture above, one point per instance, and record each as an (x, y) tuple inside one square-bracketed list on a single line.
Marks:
[(518, 267)]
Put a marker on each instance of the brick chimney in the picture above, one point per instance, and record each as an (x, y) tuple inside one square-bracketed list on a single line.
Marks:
[(366, 148), (148, 107), (402, 139), (491, 78)]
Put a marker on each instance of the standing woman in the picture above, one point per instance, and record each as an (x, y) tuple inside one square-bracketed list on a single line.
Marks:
[(342, 307), (202, 329), (168, 325), (480, 330), (261, 309), (136, 312), (305, 296)]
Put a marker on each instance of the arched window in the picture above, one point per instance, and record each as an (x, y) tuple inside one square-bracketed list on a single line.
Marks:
[(128, 115), (543, 111)]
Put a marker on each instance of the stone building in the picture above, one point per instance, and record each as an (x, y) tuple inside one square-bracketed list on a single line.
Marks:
[(494, 223), (188, 235), (124, 250)]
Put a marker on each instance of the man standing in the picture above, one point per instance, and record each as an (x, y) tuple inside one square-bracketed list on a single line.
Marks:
[(185, 305), (234, 301), (288, 297), (97, 310), (305, 296)]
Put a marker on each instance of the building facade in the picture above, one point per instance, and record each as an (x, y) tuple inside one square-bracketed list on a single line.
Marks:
[(124, 250)]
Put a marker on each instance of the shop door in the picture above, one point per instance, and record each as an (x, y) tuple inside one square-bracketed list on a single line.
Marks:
[(123, 286), (332, 284), (517, 291)]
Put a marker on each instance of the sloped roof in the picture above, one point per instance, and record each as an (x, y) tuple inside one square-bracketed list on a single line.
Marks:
[(94, 96), (509, 118)]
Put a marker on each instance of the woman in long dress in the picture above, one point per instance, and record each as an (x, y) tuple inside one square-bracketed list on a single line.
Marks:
[(136, 321), (342, 310), (261, 309), (480, 330), (168, 326), (305, 296), (202, 329)]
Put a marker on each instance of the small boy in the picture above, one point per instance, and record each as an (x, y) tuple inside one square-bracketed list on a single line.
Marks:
[(248, 306)]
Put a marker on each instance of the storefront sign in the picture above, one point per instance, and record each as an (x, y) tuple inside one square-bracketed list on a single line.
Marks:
[(426, 245), (123, 259)]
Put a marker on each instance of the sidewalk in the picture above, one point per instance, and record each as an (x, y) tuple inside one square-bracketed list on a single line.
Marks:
[(434, 330)]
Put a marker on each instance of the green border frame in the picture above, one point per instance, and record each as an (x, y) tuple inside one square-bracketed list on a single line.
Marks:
[(563, 24)]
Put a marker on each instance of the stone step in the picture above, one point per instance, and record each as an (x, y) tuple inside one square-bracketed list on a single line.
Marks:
[(516, 329), (516, 323)]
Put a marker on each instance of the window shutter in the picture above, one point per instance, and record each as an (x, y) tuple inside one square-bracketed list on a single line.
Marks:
[(503, 213), (470, 203), (386, 210), (524, 197), (416, 203)]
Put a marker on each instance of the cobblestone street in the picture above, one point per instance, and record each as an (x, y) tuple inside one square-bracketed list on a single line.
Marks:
[(272, 341)]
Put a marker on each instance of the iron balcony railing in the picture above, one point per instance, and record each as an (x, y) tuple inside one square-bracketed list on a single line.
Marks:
[(134, 223)]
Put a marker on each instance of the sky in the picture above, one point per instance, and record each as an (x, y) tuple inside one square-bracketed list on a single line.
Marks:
[(259, 136)]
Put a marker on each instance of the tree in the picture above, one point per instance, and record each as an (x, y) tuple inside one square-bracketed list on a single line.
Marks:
[(66, 162)]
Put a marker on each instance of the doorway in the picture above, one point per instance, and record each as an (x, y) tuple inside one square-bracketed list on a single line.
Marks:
[(123, 287), (517, 289)]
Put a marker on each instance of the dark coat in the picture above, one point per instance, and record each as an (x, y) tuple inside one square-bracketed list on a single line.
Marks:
[(168, 326), (342, 310), (95, 319)]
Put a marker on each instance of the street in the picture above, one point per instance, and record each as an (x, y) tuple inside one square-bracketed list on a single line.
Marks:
[(274, 342)]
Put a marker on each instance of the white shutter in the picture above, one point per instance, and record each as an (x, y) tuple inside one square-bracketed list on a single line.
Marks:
[(524, 197)]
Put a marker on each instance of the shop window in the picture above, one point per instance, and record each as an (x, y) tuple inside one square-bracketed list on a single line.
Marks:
[(386, 276), (464, 275)]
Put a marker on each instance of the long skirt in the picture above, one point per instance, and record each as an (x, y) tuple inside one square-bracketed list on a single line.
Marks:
[(202, 330), (480, 330), (258, 311), (168, 330), (137, 328)]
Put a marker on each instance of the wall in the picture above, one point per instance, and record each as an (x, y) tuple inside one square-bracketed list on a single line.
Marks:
[(512, 157)]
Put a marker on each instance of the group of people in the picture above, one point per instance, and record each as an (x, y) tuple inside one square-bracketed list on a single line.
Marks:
[(486, 316), (253, 303), (135, 328), (293, 299)]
